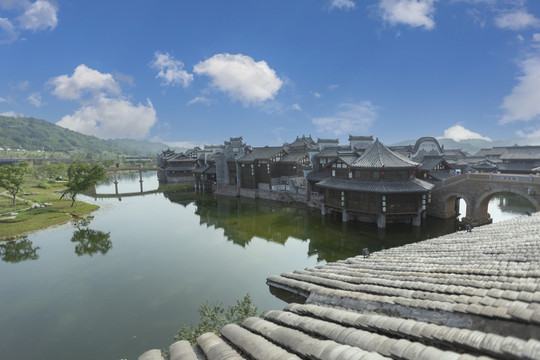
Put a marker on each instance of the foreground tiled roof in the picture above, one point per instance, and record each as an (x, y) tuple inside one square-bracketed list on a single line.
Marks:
[(467, 295)]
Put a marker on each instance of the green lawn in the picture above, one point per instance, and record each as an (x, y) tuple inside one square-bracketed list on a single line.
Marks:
[(32, 219)]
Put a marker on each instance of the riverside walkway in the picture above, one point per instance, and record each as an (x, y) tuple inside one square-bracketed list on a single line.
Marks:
[(466, 295)]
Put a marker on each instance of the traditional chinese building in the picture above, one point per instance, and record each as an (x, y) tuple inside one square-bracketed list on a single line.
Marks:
[(177, 167), (226, 163), (205, 169), (257, 168), (380, 186), (520, 160)]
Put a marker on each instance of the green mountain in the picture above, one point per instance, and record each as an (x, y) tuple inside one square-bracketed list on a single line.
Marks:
[(35, 134)]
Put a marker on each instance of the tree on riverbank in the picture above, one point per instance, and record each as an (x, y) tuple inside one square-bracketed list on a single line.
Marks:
[(12, 178), (81, 176)]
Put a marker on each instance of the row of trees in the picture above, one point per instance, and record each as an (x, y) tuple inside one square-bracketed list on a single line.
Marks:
[(81, 176)]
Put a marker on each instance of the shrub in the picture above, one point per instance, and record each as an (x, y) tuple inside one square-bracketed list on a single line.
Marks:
[(43, 185), (213, 318)]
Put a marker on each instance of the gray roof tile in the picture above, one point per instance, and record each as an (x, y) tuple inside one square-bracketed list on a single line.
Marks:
[(382, 187), (378, 156)]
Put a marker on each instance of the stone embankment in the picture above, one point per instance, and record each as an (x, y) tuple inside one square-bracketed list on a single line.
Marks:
[(467, 295)]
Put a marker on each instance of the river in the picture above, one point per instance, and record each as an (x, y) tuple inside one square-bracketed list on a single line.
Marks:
[(126, 280)]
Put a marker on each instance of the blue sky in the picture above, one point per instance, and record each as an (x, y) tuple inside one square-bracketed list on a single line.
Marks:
[(199, 72)]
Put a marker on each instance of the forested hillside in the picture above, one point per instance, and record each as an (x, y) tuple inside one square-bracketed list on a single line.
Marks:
[(35, 134)]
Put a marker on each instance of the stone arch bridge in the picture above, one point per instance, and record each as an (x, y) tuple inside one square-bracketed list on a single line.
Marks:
[(476, 190)]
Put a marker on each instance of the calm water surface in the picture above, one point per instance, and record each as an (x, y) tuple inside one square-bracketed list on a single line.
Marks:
[(126, 281)]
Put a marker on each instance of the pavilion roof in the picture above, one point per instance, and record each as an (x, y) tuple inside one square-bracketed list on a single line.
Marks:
[(378, 156), (383, 187)]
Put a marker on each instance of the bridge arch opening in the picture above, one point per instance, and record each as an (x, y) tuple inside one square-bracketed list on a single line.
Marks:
[(461, 209), (506, 205), (457, 206)]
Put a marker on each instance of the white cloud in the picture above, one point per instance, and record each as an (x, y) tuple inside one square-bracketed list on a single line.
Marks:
[(35, 99), (170, 70), (82, 81), (22, 85), (39, 16), (415, 13), (458, 133), (317, 95), (105, 113), (35, 16), (199, 100), (523, 102), (516, 20), (12, 4), (353, 118), (2, 99), (241, 77), (11, 114), (536, 37), (296, 107), (8, 33), (342, 4), (112, 118)]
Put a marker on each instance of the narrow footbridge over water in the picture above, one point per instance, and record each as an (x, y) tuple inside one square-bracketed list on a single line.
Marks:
[(476, 190), (93, 192)]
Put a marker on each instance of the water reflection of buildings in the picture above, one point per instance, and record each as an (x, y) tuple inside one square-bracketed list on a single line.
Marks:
[(512, 203), (244, 219)]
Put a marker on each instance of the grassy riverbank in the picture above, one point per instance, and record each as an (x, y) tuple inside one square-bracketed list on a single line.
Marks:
[(25, 217)]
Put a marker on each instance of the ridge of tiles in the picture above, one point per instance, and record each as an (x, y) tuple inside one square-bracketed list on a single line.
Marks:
[(462, 296)]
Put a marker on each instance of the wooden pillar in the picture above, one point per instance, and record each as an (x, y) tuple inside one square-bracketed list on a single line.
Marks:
[(417, 220), (344, 216), (238, 179), (381, 221)]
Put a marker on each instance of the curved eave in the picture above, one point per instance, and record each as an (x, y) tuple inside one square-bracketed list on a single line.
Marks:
[(380, 187)]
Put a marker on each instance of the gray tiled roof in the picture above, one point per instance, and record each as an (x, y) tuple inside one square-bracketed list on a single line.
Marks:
[(381, 187), (293, 157), (348, 159), (335, 141), (462, 296), (261, 153), (521, 153), (429, 162), (327, 152), (521, 167), (178, 168), (317, 176), (378, 156), (201, 170), (496, 151), (441, 175)]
